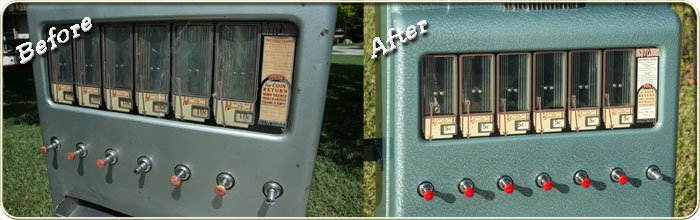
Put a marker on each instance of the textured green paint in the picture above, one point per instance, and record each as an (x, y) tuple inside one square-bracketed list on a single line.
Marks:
[(471, 28)]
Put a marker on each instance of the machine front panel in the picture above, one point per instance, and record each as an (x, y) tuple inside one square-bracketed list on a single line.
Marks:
[(410, 159), (230, 168)]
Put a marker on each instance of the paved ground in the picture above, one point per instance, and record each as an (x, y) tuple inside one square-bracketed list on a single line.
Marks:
[(347, 50)]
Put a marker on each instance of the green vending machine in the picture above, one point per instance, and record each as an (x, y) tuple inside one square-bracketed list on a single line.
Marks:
[(529, 109)]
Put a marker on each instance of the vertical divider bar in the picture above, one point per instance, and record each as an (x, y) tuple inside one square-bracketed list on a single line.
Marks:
[(468, 117)]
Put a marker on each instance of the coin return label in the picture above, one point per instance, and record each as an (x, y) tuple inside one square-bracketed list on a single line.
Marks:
[(647, 84)]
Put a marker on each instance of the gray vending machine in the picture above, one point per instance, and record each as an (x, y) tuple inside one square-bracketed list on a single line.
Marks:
[(182, 109)]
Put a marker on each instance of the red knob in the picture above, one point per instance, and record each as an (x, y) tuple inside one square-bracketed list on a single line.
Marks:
[(509, 188), (618, 175), (428, 195), (586, 182), (101, 164), (622, 180), (70, 156), (44, 150), (220, 190), (469, 192), (175, 181), (547, 185)]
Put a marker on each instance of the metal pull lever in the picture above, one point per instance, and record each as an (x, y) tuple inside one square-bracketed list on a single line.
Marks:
[(653, 173), (581, 178), (144, 165), (80, 150), (224, 182), (110, 158), (55, 145), (505, 184), (426, 190), (544, 181), (272, 191), (466, 187), (182, 173), (618, 175)]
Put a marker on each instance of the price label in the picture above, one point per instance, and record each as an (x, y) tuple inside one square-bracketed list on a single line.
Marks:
[(245, 117), (160, 107), (557, 123), (449, 129), (626, 119), (486, 127), (95, 99), (522, 125), (200, 112), (592, 121), (68, 96), (124, 103)]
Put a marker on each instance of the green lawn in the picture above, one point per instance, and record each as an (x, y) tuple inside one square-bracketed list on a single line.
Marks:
[(25, 183), (336, 189), (337, 174), (370, 93), (686, 173), (352, 44)]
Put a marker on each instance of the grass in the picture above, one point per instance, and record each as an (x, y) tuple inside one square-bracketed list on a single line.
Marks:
[(25, 181), (337, 174), (369, 187), (352, 44), (336, 188), (686, 150)]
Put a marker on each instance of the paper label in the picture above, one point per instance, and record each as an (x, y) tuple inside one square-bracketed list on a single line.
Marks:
[(95, 99), (450, 129), (626, 119), (558, 123), (647, 84), (160, 107), (522, 125), (234, 113), (245, 117), (124, 103), (592, 121), (89, 96), (64, 93), (439, 127), (486, 127), (191, 108), (153, 104), (276, 76), (200, 111), (118, 100)]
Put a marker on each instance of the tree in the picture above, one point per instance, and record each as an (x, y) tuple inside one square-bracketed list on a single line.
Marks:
[(349, 19)]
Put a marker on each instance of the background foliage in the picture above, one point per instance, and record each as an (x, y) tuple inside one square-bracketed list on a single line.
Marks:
[(349, 18)]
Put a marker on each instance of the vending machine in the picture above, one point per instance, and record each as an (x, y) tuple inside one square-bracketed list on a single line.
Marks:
[(528, 109), (211, 109)]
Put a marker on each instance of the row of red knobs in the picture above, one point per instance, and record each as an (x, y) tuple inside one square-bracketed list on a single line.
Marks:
[(509, 188), (219, 190)]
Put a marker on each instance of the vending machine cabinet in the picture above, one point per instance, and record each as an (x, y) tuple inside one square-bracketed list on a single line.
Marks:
[(143, 139), (530, 136)]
